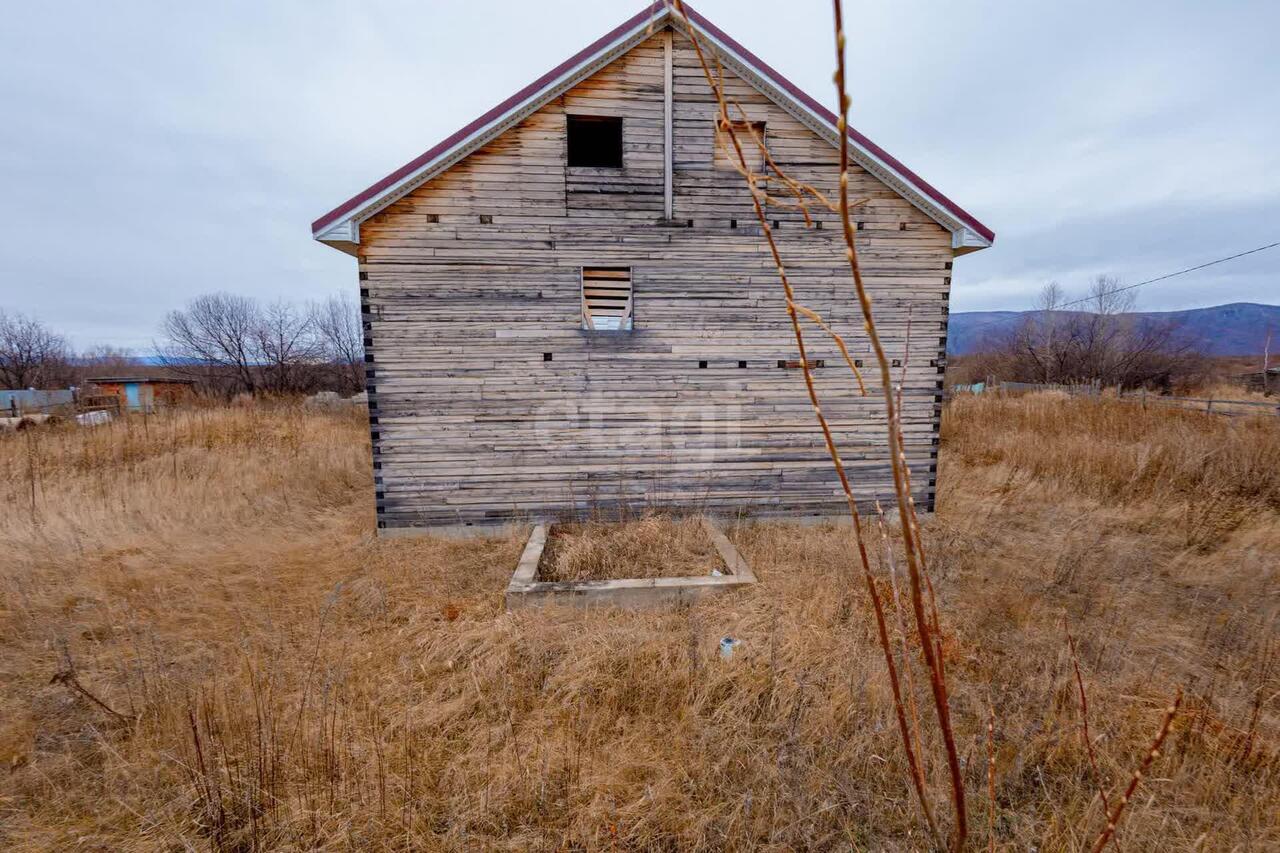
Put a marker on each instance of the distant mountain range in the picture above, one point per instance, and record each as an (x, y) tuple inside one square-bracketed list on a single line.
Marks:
[(1239, 328)]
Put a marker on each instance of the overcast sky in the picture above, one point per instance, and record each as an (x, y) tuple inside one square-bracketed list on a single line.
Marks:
[(152, 151)]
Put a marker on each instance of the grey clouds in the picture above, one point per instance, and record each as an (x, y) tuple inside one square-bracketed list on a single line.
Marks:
[(150, 152)]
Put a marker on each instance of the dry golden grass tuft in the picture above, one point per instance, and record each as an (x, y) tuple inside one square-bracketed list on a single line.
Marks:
[(281, 679), (653, 546), (1121, 451), (1233, 391)]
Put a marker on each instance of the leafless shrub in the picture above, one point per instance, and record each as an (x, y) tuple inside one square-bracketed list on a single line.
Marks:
[(336, 321), (234, 344), (217, 330), (1085, 737), (32, 355), (1101, 341), (105, 360), (287, 346)]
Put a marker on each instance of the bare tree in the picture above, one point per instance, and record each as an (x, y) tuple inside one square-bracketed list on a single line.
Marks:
[(1105, 343), (31, 355), (1105, 335), (235, 344), (287, 348), (218, 331), (104, 359), (338, 329), (1039, 333)]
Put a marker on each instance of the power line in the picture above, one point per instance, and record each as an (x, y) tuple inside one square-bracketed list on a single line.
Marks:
[(1142, 283), (1172, 274)]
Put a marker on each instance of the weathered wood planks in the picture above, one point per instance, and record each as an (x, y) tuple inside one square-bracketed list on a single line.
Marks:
[(489, 402)]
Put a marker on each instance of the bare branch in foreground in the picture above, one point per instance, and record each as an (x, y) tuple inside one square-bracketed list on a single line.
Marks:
[(1113, 817)]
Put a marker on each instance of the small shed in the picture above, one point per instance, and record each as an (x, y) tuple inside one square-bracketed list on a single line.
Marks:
[(145, 393)]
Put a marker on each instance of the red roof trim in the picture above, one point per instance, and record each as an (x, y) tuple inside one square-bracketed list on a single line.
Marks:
[(795, 92), (430, 154), (760, 65)]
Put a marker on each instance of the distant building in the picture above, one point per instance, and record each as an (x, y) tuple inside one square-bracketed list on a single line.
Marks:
[(145, 393)]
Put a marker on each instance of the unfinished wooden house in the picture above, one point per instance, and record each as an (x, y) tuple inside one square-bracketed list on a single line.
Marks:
[(568, 304)]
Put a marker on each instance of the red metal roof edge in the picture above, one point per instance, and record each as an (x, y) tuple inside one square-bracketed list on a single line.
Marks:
[(413, 165), (804, 98)]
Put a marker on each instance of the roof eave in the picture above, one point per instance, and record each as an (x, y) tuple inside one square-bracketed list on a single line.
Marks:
[(966, 240), (343, 235)]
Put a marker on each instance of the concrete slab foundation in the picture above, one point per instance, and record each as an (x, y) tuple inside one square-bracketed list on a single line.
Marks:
[(525, 590)]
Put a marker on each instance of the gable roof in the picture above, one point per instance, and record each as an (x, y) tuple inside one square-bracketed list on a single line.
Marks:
[(340, 227)]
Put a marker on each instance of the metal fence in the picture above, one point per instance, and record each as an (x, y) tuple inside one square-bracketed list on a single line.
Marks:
[(15, 404), (995, 386), (1204, 404), (1213, 406)]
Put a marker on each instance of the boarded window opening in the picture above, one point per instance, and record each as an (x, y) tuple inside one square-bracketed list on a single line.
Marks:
[(595, 141), (727, 158), (607, 303)]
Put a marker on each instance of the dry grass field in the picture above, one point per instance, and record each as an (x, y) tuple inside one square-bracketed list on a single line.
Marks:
[(202, 646)]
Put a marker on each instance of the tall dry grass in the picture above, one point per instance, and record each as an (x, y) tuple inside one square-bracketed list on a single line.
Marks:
[(288, 681), (1227, 467)]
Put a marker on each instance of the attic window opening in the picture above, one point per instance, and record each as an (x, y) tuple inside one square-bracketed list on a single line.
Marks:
[(607, 299), (595, 142), (747, 132)]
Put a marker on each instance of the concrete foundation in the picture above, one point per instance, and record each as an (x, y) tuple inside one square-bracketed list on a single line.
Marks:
[(525, 590)]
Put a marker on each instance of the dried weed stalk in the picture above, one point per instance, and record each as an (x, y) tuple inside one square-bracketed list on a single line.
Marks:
[(991, 775), (67, 677), (1084, 722), (1113, 817), (926, 627)]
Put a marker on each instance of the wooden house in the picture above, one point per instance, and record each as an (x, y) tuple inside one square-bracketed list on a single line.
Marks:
[(568, 304)]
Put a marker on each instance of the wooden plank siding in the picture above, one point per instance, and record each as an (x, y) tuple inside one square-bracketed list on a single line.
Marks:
[(489, 402)]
